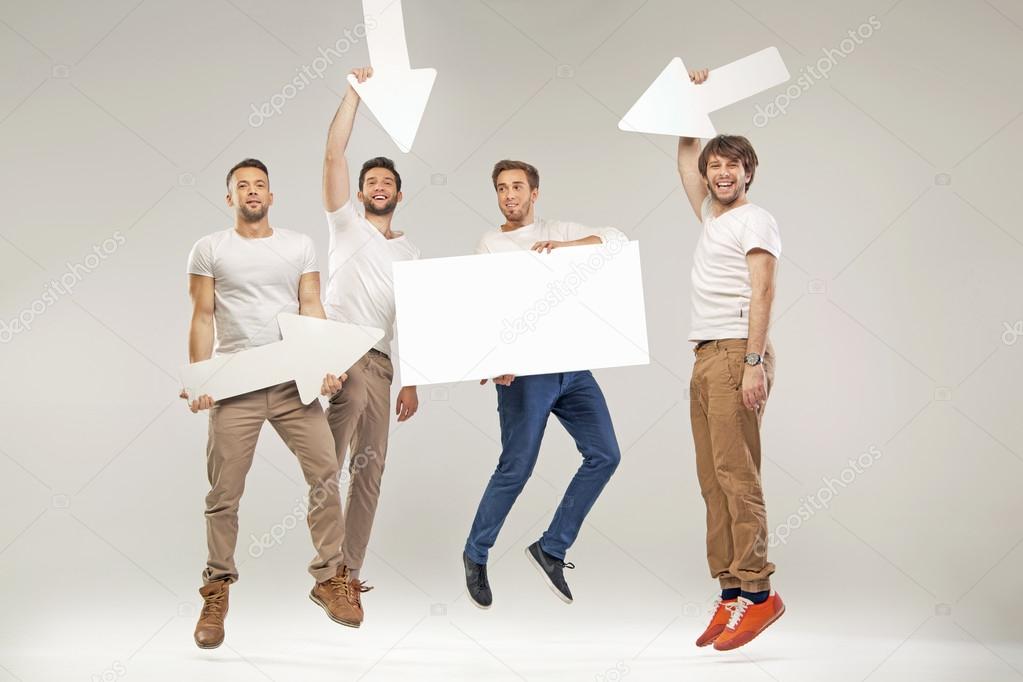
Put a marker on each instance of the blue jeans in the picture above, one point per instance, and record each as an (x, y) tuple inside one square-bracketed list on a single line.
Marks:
[(576, 400)]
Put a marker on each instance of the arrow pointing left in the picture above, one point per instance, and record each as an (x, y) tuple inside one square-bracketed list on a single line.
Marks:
[(310, 349), (397, 93), (672, 105)]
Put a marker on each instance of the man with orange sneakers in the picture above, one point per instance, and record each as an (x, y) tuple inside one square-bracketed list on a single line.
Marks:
[(733, 281)]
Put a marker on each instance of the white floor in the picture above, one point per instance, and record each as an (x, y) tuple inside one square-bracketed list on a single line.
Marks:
[(455, 641)]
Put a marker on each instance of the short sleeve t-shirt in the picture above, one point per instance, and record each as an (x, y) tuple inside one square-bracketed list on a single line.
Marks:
[(253, 281), (360, 282), (523, 238), (720, 278)]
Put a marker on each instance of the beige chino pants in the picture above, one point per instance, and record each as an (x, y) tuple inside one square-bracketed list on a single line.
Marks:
[(359, 416), (234, 426)]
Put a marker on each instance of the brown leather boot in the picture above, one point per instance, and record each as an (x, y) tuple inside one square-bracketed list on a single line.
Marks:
[(334, 595), (209, 632)]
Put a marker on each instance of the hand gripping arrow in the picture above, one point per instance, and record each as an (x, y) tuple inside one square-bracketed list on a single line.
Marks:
[(396, 94), (310, 349), (672, 105)]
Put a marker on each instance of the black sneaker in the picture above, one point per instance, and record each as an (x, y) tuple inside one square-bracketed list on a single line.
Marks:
[(476, 583), (552, 570)]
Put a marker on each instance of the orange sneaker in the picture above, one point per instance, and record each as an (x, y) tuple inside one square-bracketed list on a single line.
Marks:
[(748, 620), (722, 612)]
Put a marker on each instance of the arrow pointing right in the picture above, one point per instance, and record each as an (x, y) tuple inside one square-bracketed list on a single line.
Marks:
[(672, 105), (309, 349), (396, 94)]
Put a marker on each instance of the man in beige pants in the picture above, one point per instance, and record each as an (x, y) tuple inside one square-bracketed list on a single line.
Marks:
[(360, 290), (732, 291), (240, 279)]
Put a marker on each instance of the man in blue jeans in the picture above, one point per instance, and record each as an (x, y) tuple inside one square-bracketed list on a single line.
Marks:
[(525, 403)]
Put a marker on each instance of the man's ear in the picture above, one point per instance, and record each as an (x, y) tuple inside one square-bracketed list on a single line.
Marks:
[(398, 196), (229, 200), (271, 202)]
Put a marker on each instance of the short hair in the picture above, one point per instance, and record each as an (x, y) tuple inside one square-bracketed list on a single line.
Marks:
[(247, 163), (733, 148), (532, 174), (379, 162)]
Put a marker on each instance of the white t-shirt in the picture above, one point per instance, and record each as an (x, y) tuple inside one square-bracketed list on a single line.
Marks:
[(542, 230), (253, 281), (720, 279), (360, 283)]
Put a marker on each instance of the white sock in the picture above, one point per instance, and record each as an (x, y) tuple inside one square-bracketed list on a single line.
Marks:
[(353, 574)]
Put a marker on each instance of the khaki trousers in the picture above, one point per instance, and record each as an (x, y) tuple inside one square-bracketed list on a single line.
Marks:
[(234, 427), (359, 416), (727, 439)]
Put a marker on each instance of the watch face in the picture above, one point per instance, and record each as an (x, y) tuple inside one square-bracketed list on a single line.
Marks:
[(753, 359)]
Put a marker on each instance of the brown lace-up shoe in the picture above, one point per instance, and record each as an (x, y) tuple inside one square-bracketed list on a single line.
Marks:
[(355, 589), (209, 631), (334, 595)]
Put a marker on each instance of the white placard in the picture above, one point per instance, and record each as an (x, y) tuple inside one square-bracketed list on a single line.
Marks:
[(475, 317)]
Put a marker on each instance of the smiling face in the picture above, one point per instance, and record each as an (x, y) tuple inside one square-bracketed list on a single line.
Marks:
[(515, 197), (249, 194), (379, 193), (726, 179)]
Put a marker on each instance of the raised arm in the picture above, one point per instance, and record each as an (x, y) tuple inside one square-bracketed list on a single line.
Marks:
[(336, 190), (688, 160)]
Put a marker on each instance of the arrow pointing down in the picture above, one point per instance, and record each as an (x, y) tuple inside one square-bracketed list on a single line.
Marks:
[(396, 94)]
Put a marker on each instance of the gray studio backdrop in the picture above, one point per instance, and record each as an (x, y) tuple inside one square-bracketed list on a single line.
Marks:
[(894, 448)]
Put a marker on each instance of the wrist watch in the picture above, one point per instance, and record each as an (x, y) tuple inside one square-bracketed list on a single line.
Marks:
[(753, 359)]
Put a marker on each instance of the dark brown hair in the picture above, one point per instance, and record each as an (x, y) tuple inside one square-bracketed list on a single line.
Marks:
[(733, 148), (532, 174), (247, 163), (379, 162)]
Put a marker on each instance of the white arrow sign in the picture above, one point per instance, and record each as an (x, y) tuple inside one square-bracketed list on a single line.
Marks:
[(396, 94), (310, 349), (672, 105)]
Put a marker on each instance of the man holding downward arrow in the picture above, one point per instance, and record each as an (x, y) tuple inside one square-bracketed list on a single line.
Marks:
[(360, 290), (239, 280), (524, 405), (732, 290)]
